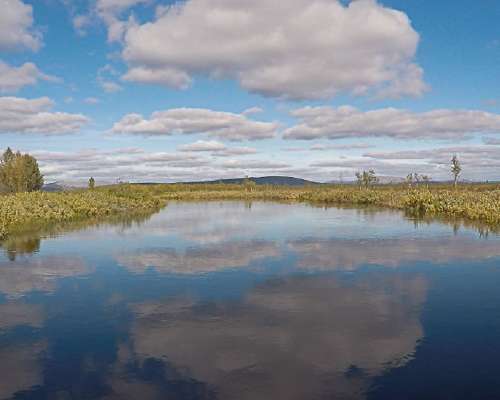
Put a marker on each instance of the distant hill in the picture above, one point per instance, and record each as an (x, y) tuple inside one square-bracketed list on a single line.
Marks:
[(264, 180), (56, 187), (388, 180)]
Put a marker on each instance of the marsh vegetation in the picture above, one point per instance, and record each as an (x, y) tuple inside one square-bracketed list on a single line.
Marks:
[(470, 202)]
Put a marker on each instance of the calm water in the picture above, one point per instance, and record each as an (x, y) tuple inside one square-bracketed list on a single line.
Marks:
[(252, 301)]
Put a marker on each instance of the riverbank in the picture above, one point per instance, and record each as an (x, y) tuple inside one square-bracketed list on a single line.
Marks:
[(22, 210), (480, 203)]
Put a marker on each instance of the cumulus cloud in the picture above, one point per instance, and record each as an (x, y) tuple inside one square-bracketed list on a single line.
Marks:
[(478, 158), (125, 164), (349, 122), (105, 79), (224, 125), (255, 165), (115, 14), (110, 11), (16, 26), (20, 115), (91, 100), (204, 145), (381, 167), (479, 162), (252, 110), (347, 146), (166, 76), (110, 87), (441, 153), (14, 78), (216, 148), (80, 24), (304, 49), (137, 165), (491, 141)]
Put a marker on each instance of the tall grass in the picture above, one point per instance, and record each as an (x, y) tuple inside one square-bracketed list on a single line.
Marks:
[(22, 210)]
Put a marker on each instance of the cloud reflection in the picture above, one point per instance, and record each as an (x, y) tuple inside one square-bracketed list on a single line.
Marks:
[(297, 338), (338, 254), (197, 260), (38, 273)]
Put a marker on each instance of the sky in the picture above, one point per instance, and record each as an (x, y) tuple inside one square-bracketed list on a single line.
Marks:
[(167, 91)]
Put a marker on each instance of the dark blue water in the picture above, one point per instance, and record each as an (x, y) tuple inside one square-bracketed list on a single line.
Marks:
[(252, 301)]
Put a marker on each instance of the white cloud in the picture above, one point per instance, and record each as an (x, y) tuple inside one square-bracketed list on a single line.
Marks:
[(224, 125), (91, 100), (16, 26), (471, 156), (237, 151), (255, 165), (295, 49), (105, 79), (14, 78), (491, 141), (166, 76), (479, 162), (115, 14), (252, 110), (203, 145), (80, 23), (20, 115), (346, 121), (216, 148), (110, 12), (347, 146), (136, 165), (110, 87)]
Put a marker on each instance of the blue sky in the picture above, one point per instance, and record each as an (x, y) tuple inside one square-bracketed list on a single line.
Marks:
[(150, 90)]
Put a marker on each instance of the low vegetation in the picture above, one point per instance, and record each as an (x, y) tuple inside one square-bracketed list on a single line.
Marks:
[(473, 202), (21, 211)]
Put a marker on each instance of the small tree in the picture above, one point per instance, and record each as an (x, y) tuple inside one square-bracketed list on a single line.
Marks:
[(426, 179), (91, 183), (414, 179), (366, 178), (19, 172), (409, 180), (359, 179), (456, 169), (8, 155), (249, 184)]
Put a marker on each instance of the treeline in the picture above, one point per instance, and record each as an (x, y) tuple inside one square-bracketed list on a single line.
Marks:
[(369, 178), (19, 173)]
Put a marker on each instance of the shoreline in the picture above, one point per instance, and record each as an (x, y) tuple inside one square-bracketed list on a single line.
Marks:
[(470, 203)]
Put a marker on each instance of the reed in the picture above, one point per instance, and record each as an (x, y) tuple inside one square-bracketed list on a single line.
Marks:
[(22, 210)]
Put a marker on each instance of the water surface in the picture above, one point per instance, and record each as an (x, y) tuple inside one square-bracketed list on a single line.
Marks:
[(234, 300)]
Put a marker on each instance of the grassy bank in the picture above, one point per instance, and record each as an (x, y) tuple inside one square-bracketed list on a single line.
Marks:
[(23, 210), (479, 203), (472, 202)]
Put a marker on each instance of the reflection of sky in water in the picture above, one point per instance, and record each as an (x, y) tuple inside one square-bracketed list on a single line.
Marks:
[(223, 300), (182, 225)]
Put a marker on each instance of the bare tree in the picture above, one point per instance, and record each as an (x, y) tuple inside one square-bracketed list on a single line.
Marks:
[(456, 169), (366, 178)]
